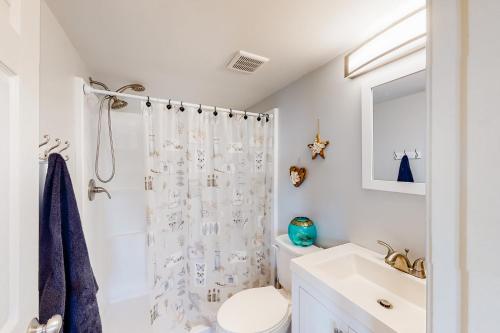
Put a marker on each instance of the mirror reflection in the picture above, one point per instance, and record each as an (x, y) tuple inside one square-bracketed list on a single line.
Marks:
[(399, 129)]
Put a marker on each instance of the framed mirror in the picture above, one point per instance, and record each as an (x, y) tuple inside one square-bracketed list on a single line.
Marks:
[(394, 129)]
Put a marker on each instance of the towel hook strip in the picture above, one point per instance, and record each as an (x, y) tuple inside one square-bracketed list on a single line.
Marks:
[(416, 156), (45, 155)]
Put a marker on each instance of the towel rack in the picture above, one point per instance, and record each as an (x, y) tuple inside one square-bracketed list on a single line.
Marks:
[(52, 148)]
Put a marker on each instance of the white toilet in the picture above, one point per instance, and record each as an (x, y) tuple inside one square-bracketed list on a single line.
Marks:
[(266, 309)]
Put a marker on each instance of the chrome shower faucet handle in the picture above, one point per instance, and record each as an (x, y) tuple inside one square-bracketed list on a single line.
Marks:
[(93, 189)]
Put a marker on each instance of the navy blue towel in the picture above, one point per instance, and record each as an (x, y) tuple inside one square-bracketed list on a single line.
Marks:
[(405, 174), (66, 283)]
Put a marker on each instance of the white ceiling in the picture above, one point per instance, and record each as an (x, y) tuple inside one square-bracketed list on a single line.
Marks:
[(179, 48)]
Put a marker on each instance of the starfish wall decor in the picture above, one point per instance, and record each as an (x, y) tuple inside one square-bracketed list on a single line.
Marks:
[(318, 146)]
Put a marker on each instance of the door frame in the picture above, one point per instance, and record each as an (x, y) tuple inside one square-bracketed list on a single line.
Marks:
[(20, 61), (446, 289)]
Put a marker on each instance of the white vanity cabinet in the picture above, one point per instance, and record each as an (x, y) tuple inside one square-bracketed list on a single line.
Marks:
[(350, 289), (311, 314), (315, 317)]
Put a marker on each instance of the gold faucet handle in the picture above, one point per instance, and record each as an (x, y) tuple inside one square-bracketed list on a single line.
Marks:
[(418, 268), (389, 248), (419, 264), (407, 259)]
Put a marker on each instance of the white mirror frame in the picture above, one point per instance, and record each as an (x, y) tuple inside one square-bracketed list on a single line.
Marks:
[(399, 69)]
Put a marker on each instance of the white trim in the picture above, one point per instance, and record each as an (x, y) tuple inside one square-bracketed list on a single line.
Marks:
[(445, 263), (20, 61), (388, 74), (275, 113), (79, 137), (14, 205), (428, 51), (275, 224)]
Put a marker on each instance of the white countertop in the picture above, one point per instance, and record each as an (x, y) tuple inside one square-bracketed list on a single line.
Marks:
[(354, 278)]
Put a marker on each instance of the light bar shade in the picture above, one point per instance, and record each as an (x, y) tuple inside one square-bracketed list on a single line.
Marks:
[(402, 38)]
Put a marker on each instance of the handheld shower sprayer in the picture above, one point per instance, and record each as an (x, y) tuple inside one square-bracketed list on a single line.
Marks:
[(114, 103)]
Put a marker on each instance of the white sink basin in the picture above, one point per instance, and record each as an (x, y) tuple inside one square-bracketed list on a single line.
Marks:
[(356, 278)]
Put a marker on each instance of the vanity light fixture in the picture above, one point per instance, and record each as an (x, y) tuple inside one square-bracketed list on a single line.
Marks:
[(406, 36)]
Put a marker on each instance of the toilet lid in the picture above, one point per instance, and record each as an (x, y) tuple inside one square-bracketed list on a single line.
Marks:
[(253, 310)]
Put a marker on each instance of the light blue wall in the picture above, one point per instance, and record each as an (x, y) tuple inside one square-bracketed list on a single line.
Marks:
[(332, 195)]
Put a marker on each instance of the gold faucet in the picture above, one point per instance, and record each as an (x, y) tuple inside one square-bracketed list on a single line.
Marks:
[(401, 262)]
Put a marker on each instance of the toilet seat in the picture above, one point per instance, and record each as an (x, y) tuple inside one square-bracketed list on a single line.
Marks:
[(257, 310)]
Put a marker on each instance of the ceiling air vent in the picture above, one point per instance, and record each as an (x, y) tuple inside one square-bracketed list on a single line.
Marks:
[(245, 62)]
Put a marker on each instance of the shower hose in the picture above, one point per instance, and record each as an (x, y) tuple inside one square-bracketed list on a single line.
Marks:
[(111, 146)]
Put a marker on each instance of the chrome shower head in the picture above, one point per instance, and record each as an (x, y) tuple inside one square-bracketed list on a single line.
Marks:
[(118, 103)]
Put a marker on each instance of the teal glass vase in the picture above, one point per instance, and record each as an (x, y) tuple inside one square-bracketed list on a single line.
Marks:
[(302, 231)]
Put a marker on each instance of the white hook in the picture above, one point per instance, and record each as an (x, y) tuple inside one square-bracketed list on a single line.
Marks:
[(47, 152), (67, 144), (46, 139)]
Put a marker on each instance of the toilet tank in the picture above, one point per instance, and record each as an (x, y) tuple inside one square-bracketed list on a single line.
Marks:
[(285, 252)]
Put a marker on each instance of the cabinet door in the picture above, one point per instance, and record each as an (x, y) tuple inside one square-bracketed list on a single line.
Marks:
[(315, 318)]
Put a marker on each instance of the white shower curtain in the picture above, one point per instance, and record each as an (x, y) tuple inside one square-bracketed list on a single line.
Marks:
[(209, 195)]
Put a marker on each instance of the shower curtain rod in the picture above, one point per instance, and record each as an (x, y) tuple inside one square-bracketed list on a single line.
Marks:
[(87, 89)]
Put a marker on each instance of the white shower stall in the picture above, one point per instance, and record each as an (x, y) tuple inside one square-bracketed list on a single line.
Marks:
[(115, 229)]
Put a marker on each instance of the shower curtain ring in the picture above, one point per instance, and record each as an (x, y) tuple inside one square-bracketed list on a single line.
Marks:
[(230, 113), (200, 110), (245, 116), (148, 103), (182, 107), (215, 111), (169, 106), (267, 118), (259, 118)]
